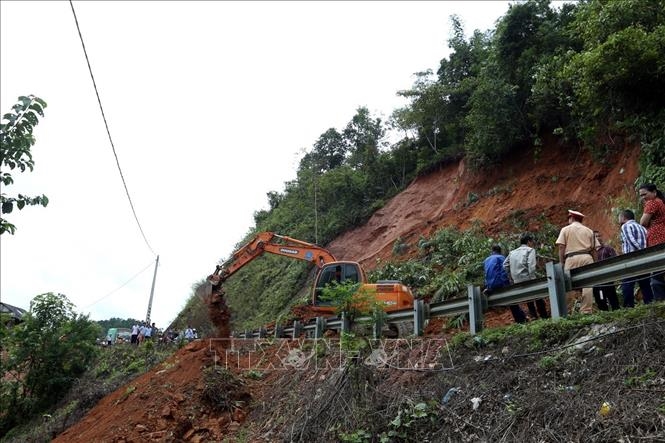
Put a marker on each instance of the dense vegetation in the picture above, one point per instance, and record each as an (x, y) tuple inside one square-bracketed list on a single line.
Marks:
[(54, 371), (108, 368), (43, 357), (590, 74)]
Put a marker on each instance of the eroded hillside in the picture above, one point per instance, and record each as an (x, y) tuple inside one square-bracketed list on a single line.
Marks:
[(524, 188)]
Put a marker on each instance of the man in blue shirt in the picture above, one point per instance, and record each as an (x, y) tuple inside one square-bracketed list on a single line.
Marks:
[(633, 238), (496, 277)]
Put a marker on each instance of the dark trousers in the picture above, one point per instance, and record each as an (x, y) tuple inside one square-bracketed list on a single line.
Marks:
[(604, 293), (628, 289), (658, 286), (537, 309), (518, 314)]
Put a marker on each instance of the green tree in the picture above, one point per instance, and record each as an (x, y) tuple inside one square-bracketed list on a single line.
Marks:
[(364, 135), (493, 121), (329, 152), (610, 77), (44, 356), (16, 139)]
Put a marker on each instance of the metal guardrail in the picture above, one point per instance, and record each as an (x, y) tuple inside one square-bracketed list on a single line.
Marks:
[(456, 306), (644, 261), (519, 293), (553, 286)]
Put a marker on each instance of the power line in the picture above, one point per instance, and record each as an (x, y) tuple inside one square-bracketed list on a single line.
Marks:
[(107, 128), (119, 287)]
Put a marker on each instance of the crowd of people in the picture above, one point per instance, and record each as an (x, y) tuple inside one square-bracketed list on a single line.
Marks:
[(579, 245), (188, 334), (142, 332)]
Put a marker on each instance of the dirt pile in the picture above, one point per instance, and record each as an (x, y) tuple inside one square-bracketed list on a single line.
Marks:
[(184, 398), (219, 314)]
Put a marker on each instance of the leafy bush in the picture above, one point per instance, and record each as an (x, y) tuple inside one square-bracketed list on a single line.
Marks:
[(45, 356)]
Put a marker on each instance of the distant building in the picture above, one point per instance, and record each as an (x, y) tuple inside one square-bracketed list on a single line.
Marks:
[(12, 313)]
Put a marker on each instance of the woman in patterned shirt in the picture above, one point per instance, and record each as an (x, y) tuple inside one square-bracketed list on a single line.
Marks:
[(653, 217)]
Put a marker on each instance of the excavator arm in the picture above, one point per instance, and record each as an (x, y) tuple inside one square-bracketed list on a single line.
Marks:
[(392, 294), (274, 244)]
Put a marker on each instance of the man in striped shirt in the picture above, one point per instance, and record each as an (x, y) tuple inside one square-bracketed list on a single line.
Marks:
[(633, 238)]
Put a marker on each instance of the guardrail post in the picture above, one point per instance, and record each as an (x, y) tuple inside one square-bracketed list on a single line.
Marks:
[(297, 329), (262, 332), (248, 334), (556, 286), (346, 324), (320, 326), (377, 327), (418, 317), (475, 310), (279, 331)]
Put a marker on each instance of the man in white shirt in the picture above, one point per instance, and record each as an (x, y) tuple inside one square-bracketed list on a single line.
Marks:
[(521, 266), (135, 335), (633, 238), (147, 332)]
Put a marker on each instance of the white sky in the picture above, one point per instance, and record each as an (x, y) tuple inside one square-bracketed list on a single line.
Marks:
[(209, 104)]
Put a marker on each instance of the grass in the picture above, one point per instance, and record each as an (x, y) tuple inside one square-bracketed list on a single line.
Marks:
[(538, 334)]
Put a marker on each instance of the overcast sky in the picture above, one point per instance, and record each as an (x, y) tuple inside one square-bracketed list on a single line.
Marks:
[(210, 106)]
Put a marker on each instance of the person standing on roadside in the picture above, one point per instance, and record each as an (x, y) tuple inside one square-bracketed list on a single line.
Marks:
[(141, 333), (521, 266), (134, 339), (189, 333), (653, 218), (633, 238), (496, 278), (607, 292), (577, 248), (147, 332)]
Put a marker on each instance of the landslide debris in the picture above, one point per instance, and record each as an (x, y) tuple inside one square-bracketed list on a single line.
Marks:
[(586, 379)]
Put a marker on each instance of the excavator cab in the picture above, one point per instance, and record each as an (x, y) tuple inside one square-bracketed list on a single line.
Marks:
[(391, 293), (335, 272)]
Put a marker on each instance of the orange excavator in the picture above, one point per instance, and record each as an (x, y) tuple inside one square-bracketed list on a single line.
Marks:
[(392, 294)]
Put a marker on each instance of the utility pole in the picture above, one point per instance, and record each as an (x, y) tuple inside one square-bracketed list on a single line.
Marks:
[(152, 292)]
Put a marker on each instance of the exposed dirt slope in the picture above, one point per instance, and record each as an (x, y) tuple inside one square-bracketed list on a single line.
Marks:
[(167, 404), (526, 187)]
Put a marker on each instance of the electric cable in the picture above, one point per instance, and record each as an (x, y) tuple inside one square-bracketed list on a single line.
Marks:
[(108, 132), (119, 287)]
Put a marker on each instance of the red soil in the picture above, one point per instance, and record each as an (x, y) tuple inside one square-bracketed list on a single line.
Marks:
[(558, 180)]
